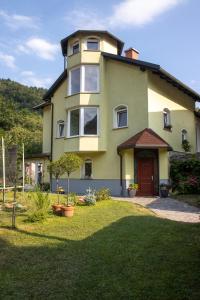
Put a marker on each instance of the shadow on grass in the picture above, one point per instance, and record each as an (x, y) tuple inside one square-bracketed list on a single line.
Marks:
[(137, 257)]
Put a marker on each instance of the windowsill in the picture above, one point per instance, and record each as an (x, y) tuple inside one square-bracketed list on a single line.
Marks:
[(82, 93), (88, 50), (80, 136), (169, 128), (60, 137), (116, 128), (83, 178), (73, 54)]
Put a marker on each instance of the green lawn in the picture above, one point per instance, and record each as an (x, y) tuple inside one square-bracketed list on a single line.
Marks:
[(114, 250)]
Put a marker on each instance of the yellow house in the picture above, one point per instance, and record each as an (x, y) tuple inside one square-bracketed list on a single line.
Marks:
[(123, 116)]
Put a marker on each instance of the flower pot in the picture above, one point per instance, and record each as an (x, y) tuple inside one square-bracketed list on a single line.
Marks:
[(164, 193), (132, 193), (68, 211), (57, 209)]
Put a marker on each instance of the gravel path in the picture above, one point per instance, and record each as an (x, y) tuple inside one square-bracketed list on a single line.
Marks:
[(168, 208)]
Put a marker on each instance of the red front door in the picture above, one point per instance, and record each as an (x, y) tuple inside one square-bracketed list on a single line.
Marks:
[(145, 177)]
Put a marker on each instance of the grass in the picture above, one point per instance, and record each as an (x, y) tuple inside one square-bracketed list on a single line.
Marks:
[(114, 250), (189, 199)]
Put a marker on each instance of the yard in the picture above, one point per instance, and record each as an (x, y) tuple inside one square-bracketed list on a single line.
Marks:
[(114, 250)]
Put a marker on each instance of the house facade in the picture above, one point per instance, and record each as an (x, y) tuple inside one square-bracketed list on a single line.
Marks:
[(123, 116)]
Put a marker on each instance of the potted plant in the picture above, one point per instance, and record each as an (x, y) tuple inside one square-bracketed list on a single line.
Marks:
[(68, 208), (132, 189), (164, 190), (71, 162), (56, 168)]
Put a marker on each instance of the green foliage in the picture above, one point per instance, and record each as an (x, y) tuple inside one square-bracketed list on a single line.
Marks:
[(18, 123), (70, 162), (185, 176), (186, 146), (102, 194), (56, 168), (90, 197), (40, 211), (72, 199)]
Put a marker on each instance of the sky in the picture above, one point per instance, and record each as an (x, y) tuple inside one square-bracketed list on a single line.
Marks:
[(166, 32)]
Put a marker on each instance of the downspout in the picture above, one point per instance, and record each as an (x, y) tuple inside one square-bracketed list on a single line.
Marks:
[(121, 181), (51, 151)]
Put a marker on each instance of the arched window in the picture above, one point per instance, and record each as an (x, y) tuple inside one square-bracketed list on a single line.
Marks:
[(87, 172), (166, 118), (120, 116), (60, 129), (92, 44), (183, 135)]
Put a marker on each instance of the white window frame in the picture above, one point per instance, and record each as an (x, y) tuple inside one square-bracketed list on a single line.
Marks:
[(185, 133), (81, 122), (92, 38), (82, 80), (58, 131), (83, 169), (72, 45), (167, 112), (115, 115)]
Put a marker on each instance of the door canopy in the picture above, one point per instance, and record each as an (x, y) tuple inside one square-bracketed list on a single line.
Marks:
[(146, 138)]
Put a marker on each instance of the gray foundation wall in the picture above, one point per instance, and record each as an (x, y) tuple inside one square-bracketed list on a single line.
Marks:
[(79, 186)]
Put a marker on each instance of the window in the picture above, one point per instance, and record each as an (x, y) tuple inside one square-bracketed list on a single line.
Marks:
[(92, 44), (83, 121), (74, 122), (84, 79), (87, 173), (75, 48), (75, 80), (60, 129), (184, 135), (90, 121), (120, 117), (166, 118), (91, 78)]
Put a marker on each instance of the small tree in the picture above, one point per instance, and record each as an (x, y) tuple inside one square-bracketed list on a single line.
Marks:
[(70, 162), (186, 146), (56, 168)]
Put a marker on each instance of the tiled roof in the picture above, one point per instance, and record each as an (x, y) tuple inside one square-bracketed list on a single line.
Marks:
[(146, 138)]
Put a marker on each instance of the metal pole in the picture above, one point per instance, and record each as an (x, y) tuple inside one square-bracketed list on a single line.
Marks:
[(4, 173), (23, 168)]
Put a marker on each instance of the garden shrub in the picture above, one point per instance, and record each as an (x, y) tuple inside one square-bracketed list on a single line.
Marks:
[(41, 207), (90, 198), (103, 194), (185, 176)]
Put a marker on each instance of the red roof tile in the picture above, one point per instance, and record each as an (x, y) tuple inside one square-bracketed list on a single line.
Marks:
[(146, 138)]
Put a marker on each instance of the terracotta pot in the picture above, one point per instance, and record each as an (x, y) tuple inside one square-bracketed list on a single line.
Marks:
[(68, 211), (57, 209)]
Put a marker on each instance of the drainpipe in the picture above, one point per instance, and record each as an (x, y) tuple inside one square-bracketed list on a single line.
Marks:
[(121, 181), (51, 151)]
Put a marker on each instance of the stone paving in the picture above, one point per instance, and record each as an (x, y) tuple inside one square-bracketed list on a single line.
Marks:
[(168, 208)]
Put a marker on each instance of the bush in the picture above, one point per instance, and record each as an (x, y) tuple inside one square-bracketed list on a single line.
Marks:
[(103, 194), (41, 209), (90, 200), (185, 176), (72, 199)]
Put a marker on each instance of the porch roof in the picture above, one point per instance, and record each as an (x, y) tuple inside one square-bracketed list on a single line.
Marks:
[(146, 138)]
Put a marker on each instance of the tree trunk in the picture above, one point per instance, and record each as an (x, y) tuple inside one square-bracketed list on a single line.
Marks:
[(57, 186), (68, 189)]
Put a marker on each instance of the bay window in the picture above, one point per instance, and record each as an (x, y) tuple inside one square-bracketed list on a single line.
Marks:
[(84, 79), (83, 121)]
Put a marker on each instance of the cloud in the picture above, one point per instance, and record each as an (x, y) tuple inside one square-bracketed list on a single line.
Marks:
[(31, 79), (7, 60), (16, 22), (85, 19), (132, 13), (40, 47)]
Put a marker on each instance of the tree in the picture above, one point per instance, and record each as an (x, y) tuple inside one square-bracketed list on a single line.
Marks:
[(71, 163), (56, 168)]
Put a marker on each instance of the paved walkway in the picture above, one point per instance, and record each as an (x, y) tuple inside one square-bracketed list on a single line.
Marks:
[(168, 208)]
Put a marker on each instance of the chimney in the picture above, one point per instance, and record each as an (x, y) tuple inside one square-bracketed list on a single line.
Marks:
[(131, 53)]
